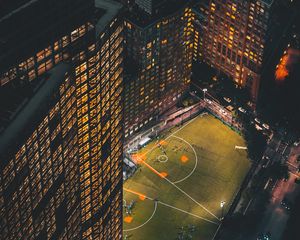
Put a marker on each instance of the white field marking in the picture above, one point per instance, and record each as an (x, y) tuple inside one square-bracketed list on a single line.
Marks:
[(143, 224), (155, 146), (194, 215), (199, 204), (162, 156), (240, 147), (196, 157), (170, 206), (216, 232), (174, 183), (244, 213), (293, 165)]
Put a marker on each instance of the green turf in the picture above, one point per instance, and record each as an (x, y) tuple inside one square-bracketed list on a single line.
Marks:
[(219, 172)]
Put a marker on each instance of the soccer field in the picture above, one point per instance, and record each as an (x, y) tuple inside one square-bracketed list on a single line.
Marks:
[(182, 179)]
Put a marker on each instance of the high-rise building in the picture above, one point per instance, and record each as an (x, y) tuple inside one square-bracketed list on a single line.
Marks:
[(61, 118), (200, 15), (150, 6), (127, 3), (158, 62), (231, 38)]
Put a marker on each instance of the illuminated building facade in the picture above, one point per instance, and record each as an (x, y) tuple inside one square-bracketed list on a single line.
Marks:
[(61, 120), (200, 15), (231, 38), (158, 62)]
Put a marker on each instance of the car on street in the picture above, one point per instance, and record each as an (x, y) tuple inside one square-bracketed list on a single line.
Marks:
[(257, 120), (223, 111), (258, 127), (227, 99), (207, 100), (242, 110), (266, 126), (266, 236), (296, 144), (286, 204)]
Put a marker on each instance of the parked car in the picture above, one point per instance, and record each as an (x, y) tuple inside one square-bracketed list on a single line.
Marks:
[(257, 120), (242, 110), (227, 99), (266, 126), (266, 236), (286, 204), (207, 100)]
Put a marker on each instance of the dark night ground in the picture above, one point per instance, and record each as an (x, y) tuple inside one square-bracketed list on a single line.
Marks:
[(280, 102)]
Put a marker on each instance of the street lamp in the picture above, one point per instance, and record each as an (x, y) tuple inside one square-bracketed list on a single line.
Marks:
[(222, 204), (204, 91)]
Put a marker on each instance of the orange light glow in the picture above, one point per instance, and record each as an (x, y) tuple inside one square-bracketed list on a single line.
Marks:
[(128, 219), (140, 195), (138, 158), (184, 159), (287, 63), (163, 174), (163, 142), (281, 71)]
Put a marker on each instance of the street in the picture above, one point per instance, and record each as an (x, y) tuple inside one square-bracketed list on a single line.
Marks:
[(276, 216)]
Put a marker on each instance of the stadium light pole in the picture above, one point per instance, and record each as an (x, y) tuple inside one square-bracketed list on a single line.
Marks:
[(222, 204), (204, 91)]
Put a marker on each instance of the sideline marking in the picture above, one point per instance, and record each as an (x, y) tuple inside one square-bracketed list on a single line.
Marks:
[(143, 224), (167, 205), (155, 146), (169, 181)]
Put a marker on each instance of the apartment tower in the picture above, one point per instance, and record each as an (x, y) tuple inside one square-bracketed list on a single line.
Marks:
[(61, 119), (158, 60), (230, 36)]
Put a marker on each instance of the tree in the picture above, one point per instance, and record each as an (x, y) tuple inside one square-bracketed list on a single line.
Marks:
[(278, 171), (239, 225), (256, 141)]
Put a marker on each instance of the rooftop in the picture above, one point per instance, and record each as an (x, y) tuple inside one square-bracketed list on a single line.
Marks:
[(7, 6), (20, 106), (38, 23), (197, 7), (110, 9), (11, 7), (20, 100), (268, 2), (142, 19)]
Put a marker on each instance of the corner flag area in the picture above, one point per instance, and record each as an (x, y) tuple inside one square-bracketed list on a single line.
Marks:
[(182, 179)]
